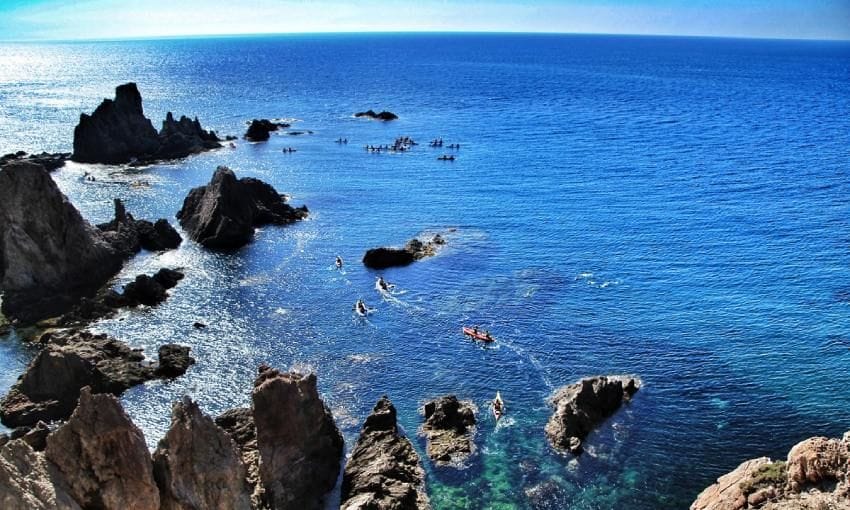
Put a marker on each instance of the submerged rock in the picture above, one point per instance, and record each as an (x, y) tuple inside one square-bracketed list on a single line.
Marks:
[(581, 407), (223, 214), (197, 464), (118, 132), (299, 444), (384, 115), (382, 258), (50, 257), (49, 388), (103, 457), (449, 427), (384, 471)]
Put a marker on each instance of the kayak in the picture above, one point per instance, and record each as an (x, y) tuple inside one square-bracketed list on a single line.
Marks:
[(498, 412), (478, 335)]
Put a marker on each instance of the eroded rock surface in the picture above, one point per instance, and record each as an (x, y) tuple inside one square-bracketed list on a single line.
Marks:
[(118, 132), (299, 444), (382, 258), (581, 407), (49, 161), (384, 471), (224, 213), (29, 482), (449, 428), (103, 458), (197, 465)]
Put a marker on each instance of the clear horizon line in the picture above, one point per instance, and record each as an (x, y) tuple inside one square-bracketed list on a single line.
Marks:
[(410, 32)]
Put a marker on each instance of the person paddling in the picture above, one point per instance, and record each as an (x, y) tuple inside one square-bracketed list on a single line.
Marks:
[(338, 262)]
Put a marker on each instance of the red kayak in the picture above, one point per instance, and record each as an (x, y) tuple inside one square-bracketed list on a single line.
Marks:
[(478, 335)]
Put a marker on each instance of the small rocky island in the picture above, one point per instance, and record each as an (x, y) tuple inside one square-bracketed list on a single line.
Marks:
[(118, 132), (581, 407), (259, 129), (224, 214), (382, 258), (370, 114), (449, 428)]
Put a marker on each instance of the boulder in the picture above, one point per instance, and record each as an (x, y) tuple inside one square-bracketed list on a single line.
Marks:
[(449, 427), (819, 461), (384, 115), (197, 465), (223, 214), (49, 388), (50, 257), (239, 424), (29, 482), (259, 129), (384, 471), (103, 457), (581, 407), (129, 235), (174, 361), (118, 132), (382, 258), (300, 446)]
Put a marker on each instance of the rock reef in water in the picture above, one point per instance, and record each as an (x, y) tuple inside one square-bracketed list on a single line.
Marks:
[(224, 214), (49, 388), (197, 464), (382, 258), (299, 444), (49, 161), (384, 115), (581, 407), (384, 471), (118, 132), (816, 475), (129, 235), (449, 428), (259, 129), (50, 256)]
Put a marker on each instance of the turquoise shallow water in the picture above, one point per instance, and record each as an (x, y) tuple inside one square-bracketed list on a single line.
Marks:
[(674, 208)]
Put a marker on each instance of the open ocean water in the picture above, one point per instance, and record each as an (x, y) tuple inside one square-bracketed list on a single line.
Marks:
[(673, 208)]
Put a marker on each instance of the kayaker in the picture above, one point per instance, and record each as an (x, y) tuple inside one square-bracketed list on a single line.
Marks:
[(361, 307), (497, 406), (383, 284), (338, 262)]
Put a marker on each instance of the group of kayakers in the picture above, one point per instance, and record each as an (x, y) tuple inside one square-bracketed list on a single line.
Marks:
[(382, 285)]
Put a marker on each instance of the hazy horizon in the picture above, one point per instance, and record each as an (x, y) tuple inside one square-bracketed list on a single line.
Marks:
[(52, 20)]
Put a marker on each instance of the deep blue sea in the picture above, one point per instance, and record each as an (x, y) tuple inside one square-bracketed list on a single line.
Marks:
[(673, 208)]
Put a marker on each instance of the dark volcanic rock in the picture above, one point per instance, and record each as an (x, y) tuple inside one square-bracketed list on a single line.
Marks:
[(103, 457), (50, 256), (259, 129), (224, 213), (129, 235), (197, 465), (119, 132), (160, 236), (385, 115), (449, 427), (581, 407), (49, 388), (174, 360), (382, 258), (299, 444), (384, 471), (49, 161)]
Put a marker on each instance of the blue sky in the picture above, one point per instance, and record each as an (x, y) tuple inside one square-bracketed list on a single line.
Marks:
[(98, 19)]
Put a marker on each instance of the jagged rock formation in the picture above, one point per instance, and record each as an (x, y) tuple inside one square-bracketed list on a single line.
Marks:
[(129, 235), (299, 444), (49, 161), (50, 256), (384, 115), (197, 465), (384, 471), (118, 132), (49, 388), (103, 457), (815, 476), (223, 214), (259, 129), (449, 427), (239, 423), (382, 258), (581, 407), (29, 482), (174, 361)]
